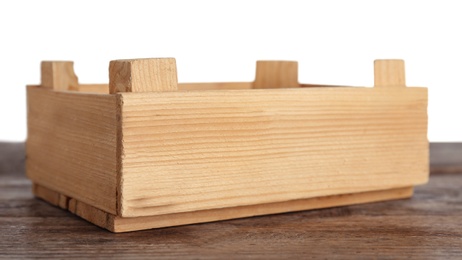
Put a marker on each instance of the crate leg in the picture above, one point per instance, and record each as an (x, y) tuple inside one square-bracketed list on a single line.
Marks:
[(143, 75), (59, 75), (276, 74), (389, 73)]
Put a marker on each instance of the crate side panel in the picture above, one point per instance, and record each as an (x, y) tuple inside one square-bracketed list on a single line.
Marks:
[(71, 145), (212, 149)]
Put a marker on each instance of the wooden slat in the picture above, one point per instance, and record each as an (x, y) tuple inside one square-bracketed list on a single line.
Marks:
[(214, 85), (71, 144), (51, 196), (120, 224), (104, 88), (130, 224), (303, 85), (276, 74), (200, 150), (94, 88), (143, 75), (59, 75)]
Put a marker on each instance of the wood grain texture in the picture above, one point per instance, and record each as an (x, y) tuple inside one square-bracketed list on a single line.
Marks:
[(104, 88), (71, 144), (94, 88), (52, 197), (214, 86), (120, 224), (216, 149), (276, 74), (389, 73), (59, 75), (143, 75), (304, 85), (427, 226)]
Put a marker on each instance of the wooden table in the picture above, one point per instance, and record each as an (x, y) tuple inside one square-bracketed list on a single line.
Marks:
[(427, 226)]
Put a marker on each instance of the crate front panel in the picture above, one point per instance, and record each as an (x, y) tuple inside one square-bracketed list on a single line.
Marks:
[(187, 151), (72, 145)]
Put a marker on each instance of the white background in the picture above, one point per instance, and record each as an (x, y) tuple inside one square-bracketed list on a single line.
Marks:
[(335, 42)]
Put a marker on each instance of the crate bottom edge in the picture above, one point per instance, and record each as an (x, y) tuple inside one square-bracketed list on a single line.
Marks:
[(120, 224)]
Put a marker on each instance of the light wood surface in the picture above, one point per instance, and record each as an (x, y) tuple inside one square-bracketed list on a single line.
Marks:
[(147, 155), (276, 74), (143, 75), (215, 149), (120, 224), (214, 86), (104, 88), (389, 73), (71, 144), (52, 197), (94, 88), (59, 75)]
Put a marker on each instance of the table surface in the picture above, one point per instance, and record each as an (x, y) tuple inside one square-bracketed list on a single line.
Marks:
[(429, 225)]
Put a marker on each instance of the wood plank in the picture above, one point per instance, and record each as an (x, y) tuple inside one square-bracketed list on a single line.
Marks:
[(143, 75), (59, 75), (303, 85), (71, 144), (94, 88), (104, 88), (276, 74), (52, 197), (214, 86), (389, 73), (200, 150), (120, 224)]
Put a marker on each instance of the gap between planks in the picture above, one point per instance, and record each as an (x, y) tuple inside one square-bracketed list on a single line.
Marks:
[(119, 224)]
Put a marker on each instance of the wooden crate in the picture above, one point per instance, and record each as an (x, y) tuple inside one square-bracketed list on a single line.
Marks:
[(146, 152)]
